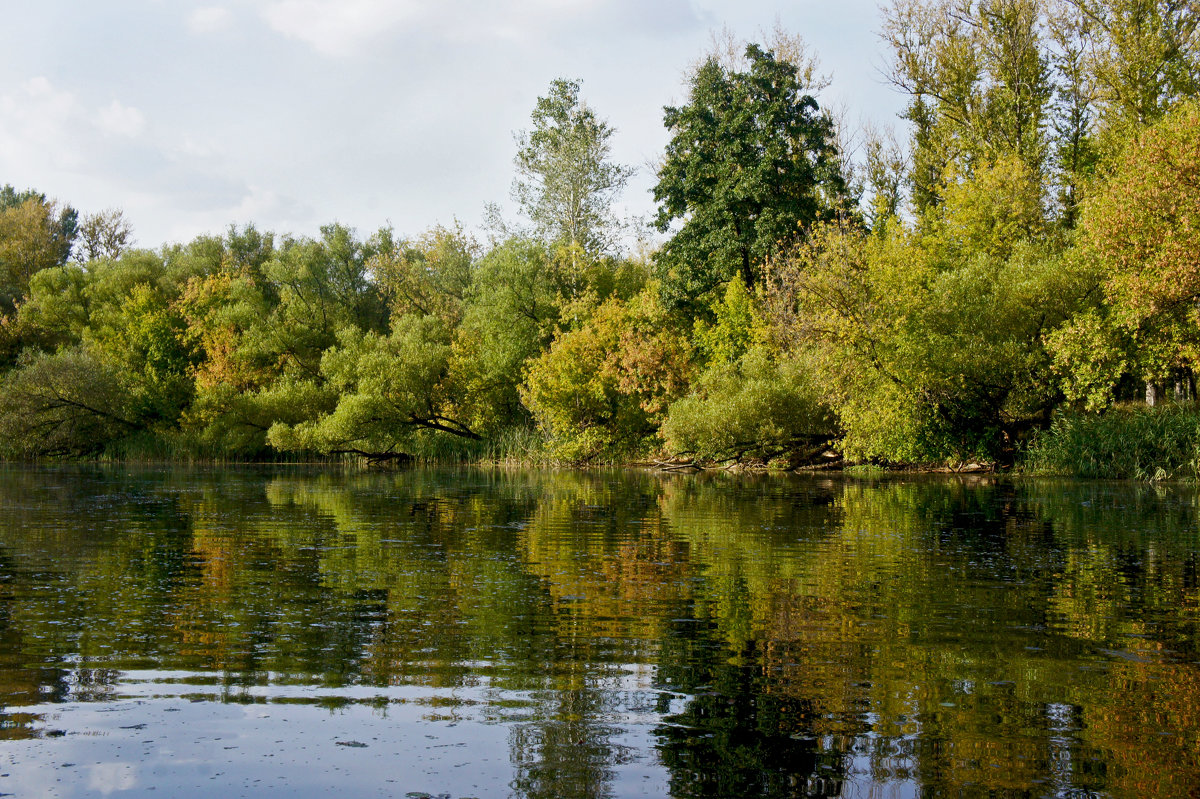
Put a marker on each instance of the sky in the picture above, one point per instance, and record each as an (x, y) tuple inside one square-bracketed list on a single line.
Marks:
[(291, 114)]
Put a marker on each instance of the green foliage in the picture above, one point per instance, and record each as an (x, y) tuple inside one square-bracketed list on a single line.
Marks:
[(1142, 56), (386, 388), (924, 357), (103, 235), (737, 324), (991, 212), (1125, 442), (1140, 242), (144, 338), (323, 286), (751, 164), (1049, 257), (512, 309), (225, 314), (429, 276), (54, 313), (979, 81), (34, 235), (223, 419), (754, 408)]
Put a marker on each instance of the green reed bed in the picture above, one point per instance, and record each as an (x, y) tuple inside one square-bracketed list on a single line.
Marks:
[(1125, 442)]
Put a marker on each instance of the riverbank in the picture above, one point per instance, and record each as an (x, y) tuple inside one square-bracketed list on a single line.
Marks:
[(1126, 442)]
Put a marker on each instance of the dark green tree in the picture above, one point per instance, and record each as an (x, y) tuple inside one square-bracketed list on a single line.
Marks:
[(750, 165)]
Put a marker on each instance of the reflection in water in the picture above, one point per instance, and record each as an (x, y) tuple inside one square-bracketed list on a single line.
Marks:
[(545, 634)]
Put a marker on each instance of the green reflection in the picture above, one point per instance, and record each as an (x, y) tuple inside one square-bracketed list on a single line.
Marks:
[(767, 636)]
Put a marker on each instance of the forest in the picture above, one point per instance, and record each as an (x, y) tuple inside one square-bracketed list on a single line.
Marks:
[(1012, 278)]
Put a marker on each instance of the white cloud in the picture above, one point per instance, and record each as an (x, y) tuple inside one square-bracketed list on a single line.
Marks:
[(337, 27), (209, 19), (36, 124), (344, 27), (112, 778), (121, 120), (291, 113)]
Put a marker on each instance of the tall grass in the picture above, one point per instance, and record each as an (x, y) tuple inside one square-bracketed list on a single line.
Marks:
[(1126, 442), (515, 446)]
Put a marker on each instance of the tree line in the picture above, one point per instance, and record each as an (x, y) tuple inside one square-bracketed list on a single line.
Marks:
[(1030, 249)]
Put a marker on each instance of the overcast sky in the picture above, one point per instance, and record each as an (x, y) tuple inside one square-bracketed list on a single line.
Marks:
[(291, 114)]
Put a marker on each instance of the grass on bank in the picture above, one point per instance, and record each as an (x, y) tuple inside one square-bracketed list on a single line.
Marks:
[(514, 446), (1126, 442)]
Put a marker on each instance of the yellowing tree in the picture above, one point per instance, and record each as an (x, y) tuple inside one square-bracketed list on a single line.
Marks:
[(31, 239), (1141, 246)]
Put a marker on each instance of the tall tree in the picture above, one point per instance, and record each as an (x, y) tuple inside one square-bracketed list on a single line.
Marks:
[(1140, 239), (566, 180), (751, 163), (980, 86), (1144, 56), (105, 234), (1074, 111), (62, 221)]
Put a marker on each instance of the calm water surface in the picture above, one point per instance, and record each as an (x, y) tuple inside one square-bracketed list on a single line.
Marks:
[(193, 633)]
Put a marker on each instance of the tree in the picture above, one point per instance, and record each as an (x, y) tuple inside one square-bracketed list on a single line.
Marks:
[(929, 347), (751, 163), (34, 235), (1143, 56), (430, 275), (69, 403), (144, 338), (105, 234), (602, 388), (322, 286), (979, 82), (387, 389), (884, 170), (566, 181), (62, 222), (511, 311), (1074, 110), (757, 407)]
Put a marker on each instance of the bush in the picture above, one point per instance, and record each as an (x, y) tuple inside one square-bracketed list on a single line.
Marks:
[(756, 409), (600, 392)]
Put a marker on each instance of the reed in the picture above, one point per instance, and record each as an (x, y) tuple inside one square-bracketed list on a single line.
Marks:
[(517, 446), (1126, 442)]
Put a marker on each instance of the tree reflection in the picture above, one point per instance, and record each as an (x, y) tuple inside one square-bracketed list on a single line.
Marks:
[(804, 637), (741, 731)]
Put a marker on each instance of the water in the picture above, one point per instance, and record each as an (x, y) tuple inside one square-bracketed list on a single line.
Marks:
[(474, 633)]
